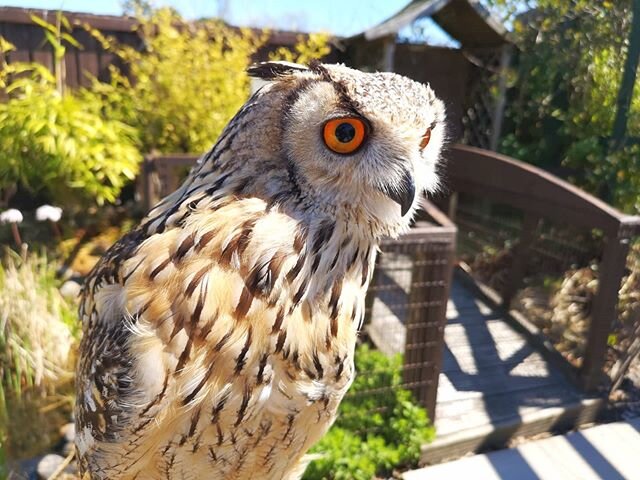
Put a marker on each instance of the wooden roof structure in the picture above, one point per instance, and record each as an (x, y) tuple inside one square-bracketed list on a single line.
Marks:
[(465, 20), (464, 78)]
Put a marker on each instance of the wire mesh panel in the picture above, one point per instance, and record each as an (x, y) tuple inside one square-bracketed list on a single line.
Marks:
[(624, 341), (480, 105), (555, 255), (545, 270), (406, 308)]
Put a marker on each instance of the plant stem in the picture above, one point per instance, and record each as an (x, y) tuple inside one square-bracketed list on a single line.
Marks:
[(16, 234), (56, 230)]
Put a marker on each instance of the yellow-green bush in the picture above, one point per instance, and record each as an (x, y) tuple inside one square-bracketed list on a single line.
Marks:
[(59, 143), (315, 46), (189, 81), (190, 78)]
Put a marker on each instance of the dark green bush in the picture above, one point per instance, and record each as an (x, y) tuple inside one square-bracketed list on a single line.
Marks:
[(379, 428)]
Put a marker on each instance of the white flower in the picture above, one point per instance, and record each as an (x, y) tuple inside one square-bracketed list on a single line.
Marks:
[(48, 212), (11, 216)]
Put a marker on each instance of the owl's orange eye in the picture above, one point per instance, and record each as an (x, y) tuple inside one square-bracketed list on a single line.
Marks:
[(344, 135), (425, 139)]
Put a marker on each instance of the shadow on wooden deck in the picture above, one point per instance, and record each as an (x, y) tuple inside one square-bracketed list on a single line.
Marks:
[(605, 452), (495, 386)]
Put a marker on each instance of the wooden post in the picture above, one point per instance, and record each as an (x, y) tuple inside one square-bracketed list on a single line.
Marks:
[(446, 274), (520, 255), (148, 191), (628, 82), (424, 344), (453, 206), (604, 310), (388, 53), (498, 111)]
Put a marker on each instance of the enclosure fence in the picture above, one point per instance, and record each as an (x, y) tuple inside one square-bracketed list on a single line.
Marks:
[(556, 258)]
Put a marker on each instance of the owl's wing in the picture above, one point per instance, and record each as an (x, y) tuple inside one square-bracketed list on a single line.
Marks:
[(177, 317)]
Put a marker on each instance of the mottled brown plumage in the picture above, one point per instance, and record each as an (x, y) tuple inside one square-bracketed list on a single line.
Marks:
[(219, 334)]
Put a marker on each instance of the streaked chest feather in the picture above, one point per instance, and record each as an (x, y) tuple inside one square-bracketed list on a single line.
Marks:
[(241, 329)]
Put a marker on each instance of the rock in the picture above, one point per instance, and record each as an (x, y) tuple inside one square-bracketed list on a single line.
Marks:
[(68, 431), (48, 465), (70, 289)]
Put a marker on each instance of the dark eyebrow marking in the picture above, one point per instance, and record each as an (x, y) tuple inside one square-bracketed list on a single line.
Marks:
[(346, 102)]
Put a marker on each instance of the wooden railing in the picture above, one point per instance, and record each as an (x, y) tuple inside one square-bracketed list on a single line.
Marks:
[(534, 196)]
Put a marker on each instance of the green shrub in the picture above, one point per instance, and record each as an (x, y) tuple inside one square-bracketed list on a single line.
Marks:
[(561, 108), (190, 79), (60, 143), (379, 427)]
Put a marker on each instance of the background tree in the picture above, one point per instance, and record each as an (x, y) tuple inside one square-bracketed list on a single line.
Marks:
[(563, 96)]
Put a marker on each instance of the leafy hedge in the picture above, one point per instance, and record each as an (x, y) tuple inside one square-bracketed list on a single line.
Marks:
[(379, 427), (60, 143)]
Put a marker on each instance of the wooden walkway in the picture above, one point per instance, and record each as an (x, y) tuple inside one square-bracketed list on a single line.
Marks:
[(607, 452), (494, 385)]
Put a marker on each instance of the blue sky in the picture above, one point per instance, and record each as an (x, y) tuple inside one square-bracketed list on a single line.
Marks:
[(336, 16), (339, 17)]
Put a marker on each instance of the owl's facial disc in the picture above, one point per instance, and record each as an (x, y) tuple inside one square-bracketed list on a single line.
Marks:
[(345, 136), (364, 145)]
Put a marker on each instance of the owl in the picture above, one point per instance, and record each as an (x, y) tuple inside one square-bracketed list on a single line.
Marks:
[(219, 334)]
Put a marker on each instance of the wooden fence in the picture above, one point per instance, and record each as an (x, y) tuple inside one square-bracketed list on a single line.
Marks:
[(17, 27)]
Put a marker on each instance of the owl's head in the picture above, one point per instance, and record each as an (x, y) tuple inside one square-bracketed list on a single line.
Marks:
[(363, 146)]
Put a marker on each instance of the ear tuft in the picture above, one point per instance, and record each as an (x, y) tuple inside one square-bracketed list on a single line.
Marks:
[(271, 70)]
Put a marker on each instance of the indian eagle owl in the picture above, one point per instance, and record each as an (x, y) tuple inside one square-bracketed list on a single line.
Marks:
[(219, 334)]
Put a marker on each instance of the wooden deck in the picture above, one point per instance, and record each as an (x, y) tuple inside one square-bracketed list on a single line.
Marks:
[(494, 385), (607, 452)]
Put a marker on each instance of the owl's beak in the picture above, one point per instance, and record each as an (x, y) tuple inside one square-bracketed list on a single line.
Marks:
[(404, 193)]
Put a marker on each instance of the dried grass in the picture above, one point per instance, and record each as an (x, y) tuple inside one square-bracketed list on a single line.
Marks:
[(37, 325)]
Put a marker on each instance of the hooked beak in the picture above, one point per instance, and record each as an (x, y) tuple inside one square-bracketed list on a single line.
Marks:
[(404, 193)]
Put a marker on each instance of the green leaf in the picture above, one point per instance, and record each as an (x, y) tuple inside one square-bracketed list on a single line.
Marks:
[(44, 24)]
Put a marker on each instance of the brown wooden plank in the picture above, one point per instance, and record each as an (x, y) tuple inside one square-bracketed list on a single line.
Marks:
[(489, 332), (88, 62), (504, 377), (491, 175), (44, 57), (18, 15), (71, 68), (474, 357)]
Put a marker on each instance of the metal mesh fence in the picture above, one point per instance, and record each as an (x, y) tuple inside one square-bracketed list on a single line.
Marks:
[(559, 269), (406, 312)]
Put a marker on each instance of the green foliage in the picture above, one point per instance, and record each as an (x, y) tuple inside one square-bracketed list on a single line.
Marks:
[(379, 427), (189, 81), (60, 143), (563, 99), (313, 47)]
